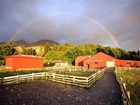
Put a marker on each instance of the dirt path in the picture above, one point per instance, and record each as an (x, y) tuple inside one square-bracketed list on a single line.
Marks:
[(105, 91)]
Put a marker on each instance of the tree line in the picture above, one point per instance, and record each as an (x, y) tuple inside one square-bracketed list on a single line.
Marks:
[(67, 52)]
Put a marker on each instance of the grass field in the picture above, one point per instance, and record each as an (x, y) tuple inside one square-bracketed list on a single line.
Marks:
[(132, 80), (6, 73), (76, 73), (14, 73)]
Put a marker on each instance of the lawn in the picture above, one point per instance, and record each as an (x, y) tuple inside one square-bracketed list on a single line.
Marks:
[(7, 73), (132, 80), (79, 72), (76, 73)]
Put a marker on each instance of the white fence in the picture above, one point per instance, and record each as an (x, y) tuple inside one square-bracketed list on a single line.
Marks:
[(81, 81), (125, 93)]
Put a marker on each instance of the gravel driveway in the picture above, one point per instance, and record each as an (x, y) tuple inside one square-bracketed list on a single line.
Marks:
[(105, 91)]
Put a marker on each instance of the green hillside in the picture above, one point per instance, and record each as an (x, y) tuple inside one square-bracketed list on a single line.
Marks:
[(64, 52), (27, 44), (132, 80)]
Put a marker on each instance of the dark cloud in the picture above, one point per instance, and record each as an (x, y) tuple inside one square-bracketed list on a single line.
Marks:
[(72, 21)]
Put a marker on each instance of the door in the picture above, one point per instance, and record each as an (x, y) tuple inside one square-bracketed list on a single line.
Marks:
[(110, 64)]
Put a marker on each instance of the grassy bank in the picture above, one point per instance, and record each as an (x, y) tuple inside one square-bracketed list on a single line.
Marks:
[(7, 73), (76, 73), (132, 80), (79, 72)]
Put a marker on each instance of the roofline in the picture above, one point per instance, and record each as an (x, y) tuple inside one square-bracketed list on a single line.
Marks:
[(85, 56), (105, 54), (24, 56)]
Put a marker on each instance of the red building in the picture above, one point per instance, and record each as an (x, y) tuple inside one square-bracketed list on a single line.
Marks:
[(23, 61), (101, 60), (80, 59)]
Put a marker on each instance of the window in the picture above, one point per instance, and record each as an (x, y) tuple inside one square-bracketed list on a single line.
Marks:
[(128, 63), (96, 63)]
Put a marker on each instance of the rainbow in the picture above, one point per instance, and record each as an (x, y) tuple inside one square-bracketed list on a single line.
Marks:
[(71, 13)]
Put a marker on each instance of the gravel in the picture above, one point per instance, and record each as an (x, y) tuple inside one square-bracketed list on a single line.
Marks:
[(105, 91)]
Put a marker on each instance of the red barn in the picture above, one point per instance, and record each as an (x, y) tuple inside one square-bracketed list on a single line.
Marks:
[(24, 61), (101, 60), (127, 63)]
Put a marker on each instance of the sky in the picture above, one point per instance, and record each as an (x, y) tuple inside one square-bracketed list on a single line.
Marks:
[(114, 23)]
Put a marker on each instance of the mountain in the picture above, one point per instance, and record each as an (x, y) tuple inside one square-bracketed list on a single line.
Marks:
[(36, 43), (42, 42), (20, 43)]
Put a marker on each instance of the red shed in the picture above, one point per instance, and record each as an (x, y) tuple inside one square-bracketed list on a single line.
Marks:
[(79, 60), (24, 61)]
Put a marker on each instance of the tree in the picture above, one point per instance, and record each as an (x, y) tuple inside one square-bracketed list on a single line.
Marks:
[(46, 47), (72, 54), (6, 50), (29, 51), (23, 50)]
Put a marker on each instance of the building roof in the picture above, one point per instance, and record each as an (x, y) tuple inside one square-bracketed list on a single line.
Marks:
[(81, 58), (100, 56), (23, 56)]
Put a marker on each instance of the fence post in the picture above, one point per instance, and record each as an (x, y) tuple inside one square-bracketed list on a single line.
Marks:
[(18, 78), (124, 85), (43, 75), (46, 75), (88, 85), (84, 69), (73, 79), (1, 81), (128, 93), (63, 78), (121, 79), (53, 76), (33, 75), (116, 71)]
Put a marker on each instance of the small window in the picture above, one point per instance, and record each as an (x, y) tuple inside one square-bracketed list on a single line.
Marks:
[(96, 63), (128, 63)]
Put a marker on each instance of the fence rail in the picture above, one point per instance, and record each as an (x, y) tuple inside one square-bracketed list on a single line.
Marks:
[(125, 93), (81, 81), (127, 68)]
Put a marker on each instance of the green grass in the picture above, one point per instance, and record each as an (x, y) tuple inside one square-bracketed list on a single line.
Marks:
[(76, 73), (14, 73), (132, 80), (6, 73)]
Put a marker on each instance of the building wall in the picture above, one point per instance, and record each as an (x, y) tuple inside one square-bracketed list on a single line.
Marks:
[(24, 62), (27, 63), (9, 62), (98, 64), (79, 60), (87, 62), (99, 61), (127, 63)]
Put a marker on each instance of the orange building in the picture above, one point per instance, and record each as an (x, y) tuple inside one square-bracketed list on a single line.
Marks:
[(24, 61), (101, 60), (80, 59)]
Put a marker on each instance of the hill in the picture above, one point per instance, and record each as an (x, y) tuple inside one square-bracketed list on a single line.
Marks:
[(42, 42), (36, 43)]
